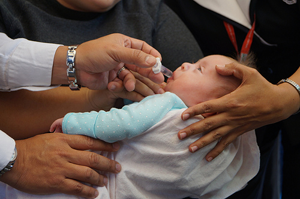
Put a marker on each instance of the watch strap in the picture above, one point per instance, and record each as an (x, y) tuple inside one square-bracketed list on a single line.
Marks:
[(71, 72)]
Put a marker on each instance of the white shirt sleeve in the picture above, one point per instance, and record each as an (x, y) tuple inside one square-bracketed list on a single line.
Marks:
[(25, 64), (7, 145)]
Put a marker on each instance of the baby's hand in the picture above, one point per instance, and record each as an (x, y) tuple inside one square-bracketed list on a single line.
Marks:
[(57, 126)]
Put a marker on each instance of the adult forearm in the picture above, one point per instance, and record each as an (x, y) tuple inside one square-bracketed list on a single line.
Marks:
[(26, 113)]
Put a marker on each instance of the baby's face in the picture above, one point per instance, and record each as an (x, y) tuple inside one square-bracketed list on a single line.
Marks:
[(199, 82), (89, 5)]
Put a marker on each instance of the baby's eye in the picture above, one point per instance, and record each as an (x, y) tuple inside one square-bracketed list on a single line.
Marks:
[(199, 68)]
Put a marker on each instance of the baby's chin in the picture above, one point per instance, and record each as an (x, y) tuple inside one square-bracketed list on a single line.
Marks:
[(167, 89)]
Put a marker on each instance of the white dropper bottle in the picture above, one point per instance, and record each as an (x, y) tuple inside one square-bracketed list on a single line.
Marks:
[(158, 67)]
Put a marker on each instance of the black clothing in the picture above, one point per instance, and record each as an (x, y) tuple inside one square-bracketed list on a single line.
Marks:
[(277, 23), (151, 21)]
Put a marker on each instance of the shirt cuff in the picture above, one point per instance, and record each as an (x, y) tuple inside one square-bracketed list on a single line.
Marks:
[(7, 146), (31, 65)]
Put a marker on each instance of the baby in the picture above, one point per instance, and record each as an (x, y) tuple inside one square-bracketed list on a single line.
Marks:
[(155, 163), (189, 85)]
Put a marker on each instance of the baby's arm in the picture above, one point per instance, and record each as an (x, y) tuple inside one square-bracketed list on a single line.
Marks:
[(118, 124)]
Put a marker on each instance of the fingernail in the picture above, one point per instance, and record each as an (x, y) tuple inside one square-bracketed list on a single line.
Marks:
[(105, 180), (221, 66), (161, 91), (150, 60), (113, 87), (116, 145), (209, 159), (182, 135), (96, 193), (118, 167), (185, 116), (194, 148)]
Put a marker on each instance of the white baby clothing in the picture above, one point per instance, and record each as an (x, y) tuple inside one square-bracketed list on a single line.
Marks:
[(156, 164)]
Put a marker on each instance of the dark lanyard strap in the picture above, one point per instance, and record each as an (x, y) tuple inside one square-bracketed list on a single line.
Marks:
[(247, 42)]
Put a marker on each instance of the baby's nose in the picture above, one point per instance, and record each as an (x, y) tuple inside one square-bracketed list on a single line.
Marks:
[(185, 66)]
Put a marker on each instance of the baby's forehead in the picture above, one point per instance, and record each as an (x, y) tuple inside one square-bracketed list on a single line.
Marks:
[(214, 60)]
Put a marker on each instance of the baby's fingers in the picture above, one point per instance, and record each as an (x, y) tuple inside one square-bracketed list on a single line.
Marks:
[(56, 126)]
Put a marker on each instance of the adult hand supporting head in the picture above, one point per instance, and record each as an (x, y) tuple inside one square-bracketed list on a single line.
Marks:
[(255, 103), (58, 163), (98, 61)]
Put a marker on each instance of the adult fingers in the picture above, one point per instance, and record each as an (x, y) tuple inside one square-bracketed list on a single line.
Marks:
[(143, 85), (76, 188), (119, 91), (222, 144), (146, 86), (135, 52), (205, 125), (96, 161), (87, 175), (235, 69), (216, 127), (129, 80), (216, 134), (147, 72), (81, 142), (143, 46), (211, 106)]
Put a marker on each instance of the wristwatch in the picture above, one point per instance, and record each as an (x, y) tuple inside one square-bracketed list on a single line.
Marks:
[(72, 79), (11, 163)]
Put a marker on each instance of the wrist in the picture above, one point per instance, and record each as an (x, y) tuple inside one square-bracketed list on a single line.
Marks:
[(10, 164), (59, 74), (101, 99), (296, 87), (12, 177), (289, 98)]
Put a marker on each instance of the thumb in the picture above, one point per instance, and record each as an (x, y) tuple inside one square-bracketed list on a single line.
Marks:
[(233, 68)]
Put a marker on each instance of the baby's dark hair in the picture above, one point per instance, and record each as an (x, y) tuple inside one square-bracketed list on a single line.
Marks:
[(249, 61)]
